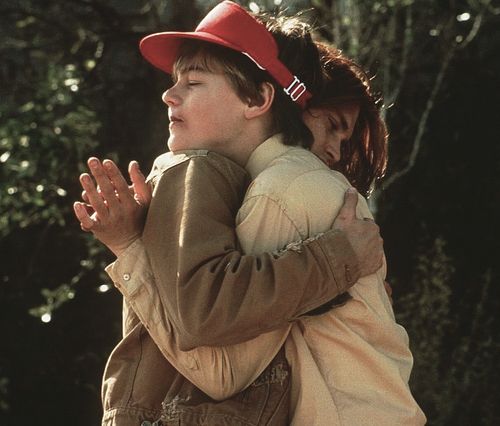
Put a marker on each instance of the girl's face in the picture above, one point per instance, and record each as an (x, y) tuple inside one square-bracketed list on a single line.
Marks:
[(330, 127)]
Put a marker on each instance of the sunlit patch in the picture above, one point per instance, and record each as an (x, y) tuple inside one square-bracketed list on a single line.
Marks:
[(463, 17), (46, 317), (254, 7), (90, 64), (24, 141), (104, 288)]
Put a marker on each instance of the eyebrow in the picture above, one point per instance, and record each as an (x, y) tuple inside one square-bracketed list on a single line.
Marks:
[(190, 67), (196, 67)]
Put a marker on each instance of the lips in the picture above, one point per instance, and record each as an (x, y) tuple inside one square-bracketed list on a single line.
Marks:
[(174, 120)]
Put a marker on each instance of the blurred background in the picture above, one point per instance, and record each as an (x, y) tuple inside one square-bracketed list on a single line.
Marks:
[(72, 84)]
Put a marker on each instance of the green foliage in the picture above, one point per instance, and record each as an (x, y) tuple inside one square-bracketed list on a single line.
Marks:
[(445, 382), (48, 128), (93, 264), (43, 145), (426, 314)]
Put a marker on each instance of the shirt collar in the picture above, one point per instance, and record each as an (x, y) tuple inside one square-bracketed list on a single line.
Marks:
[(266, 152)]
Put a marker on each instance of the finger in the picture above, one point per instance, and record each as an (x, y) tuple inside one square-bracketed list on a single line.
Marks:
[(118, 181), (348, 211), (89, 208), (93, 196), (106, 186), (142, 190), (85, 196), (81, 213)]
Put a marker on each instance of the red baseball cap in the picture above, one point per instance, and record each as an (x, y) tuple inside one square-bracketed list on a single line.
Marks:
[(228, 25)]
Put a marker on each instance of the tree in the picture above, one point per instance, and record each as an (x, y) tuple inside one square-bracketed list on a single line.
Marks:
[(74, 84)]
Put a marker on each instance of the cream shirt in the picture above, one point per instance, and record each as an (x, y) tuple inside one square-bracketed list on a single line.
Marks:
[(350, 366)]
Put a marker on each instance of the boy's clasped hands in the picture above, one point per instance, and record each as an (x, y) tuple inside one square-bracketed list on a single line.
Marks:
[(113, 210)]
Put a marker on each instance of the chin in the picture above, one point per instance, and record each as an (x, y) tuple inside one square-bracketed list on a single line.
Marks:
[(176, 144)]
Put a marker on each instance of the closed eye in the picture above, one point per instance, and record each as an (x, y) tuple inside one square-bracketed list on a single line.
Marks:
[(333, 124)]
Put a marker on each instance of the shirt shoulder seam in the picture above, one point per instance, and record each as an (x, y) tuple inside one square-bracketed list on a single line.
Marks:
[(278, 205)]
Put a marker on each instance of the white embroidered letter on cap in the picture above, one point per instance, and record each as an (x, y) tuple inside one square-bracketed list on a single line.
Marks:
[(300, 88)]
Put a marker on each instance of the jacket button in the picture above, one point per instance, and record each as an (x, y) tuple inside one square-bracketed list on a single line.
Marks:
[(146, 423)]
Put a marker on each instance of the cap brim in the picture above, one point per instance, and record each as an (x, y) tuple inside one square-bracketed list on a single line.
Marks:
[(160, 49)]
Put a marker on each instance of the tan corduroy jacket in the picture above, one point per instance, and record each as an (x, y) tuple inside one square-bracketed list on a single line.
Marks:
[(188, 257)]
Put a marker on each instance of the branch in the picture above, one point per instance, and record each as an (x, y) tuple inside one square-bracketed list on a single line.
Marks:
[(423, 120), (390, 41), (336, 25), (353, 28), (474, 30), (407, 43), (430, 102)]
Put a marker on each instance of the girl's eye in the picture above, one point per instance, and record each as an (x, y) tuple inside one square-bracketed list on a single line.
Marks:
[(193, 83), (333, 124)]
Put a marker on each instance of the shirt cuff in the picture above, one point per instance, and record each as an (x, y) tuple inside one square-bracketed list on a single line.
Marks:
[(131, 269)]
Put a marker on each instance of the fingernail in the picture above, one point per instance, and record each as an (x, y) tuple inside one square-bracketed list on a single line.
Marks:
[(107, 164), (93, 163), (351, 190)]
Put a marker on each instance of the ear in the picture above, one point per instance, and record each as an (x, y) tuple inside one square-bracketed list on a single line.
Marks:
[(254, 109)]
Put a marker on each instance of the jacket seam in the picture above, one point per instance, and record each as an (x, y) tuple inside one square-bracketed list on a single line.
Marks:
[(141, 335)]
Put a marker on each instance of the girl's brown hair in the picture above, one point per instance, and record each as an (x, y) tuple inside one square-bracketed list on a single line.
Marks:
[(364, 156)]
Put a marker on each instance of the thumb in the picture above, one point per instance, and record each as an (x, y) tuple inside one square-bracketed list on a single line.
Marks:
[(141, 189), (347, 212)]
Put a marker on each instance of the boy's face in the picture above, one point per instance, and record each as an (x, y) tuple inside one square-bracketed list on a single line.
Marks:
[(204, 111)]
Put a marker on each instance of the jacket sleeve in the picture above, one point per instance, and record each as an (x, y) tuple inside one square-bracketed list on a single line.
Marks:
[(219, 371), (201, 287)]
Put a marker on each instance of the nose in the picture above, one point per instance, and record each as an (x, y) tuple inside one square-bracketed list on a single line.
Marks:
[(170, 97), (332, 151)]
